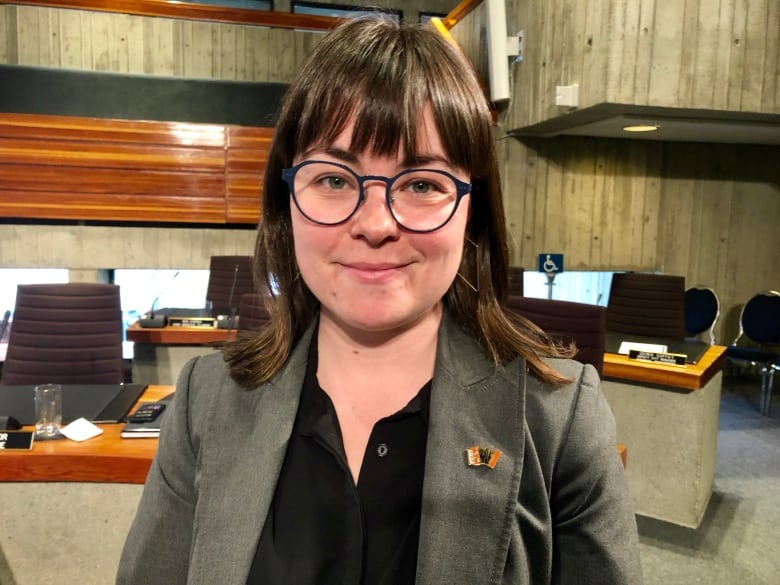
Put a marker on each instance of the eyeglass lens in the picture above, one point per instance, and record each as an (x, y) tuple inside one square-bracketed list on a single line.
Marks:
[(419, 199)]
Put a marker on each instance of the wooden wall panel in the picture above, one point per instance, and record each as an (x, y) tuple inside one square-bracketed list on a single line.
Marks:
[(59, 167), (708, 212), (247, 151)]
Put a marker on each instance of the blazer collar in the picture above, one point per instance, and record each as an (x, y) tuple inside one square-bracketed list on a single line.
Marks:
[(466, 511)]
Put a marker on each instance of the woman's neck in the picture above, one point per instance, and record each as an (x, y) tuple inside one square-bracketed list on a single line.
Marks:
[(386, 367), (371, 375)]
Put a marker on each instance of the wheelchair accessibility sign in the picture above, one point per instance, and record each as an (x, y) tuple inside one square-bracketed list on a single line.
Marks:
[(551, 263)]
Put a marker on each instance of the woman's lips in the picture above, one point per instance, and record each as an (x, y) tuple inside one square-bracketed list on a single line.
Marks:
[(372, 271)]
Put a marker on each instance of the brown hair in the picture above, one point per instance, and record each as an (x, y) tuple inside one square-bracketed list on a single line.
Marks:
[(379, 73)]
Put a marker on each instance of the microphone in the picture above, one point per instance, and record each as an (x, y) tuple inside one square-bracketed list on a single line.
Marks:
[(228, 323), (157, 321), (4, 325)]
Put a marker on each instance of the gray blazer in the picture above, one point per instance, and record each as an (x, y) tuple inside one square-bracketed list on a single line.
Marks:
[(555, 509)]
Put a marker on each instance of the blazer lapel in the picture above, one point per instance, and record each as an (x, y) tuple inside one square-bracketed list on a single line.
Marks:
[(253, 426), (467, 510)]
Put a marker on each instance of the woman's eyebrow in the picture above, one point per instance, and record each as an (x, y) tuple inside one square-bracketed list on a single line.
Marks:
[(424, 159), (338, 153)]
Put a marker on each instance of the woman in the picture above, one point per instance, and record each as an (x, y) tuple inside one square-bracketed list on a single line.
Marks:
[(393, 424)]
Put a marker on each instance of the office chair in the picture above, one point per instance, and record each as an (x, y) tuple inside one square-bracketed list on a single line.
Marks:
[(758, 342), (567, 321), (647, 305), (702, 309), (254, 315), (229, 278), (65, 333)]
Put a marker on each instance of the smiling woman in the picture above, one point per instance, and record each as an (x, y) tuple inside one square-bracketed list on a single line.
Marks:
[(392, 417)]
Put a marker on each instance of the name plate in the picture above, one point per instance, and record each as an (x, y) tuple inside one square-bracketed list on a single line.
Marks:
[(674, 359), (16, 440)]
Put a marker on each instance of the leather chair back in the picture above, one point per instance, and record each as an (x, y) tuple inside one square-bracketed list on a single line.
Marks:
[(229, 278), (65, 333), (647, 305), (581, 323), (253, 314)]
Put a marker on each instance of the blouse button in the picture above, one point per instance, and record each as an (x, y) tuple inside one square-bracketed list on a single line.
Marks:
[(381, 450)]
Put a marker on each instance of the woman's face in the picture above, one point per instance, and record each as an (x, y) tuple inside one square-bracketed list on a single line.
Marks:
[(368, 273)]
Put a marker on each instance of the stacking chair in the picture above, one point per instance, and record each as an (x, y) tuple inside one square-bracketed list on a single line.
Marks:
[(766, 396), (758, 342), (254, 315), (647, 305), (229, 278), (702, 309), (65, 333), (567, 321)]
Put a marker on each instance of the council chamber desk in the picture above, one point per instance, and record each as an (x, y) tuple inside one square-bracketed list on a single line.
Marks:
[(667, 416), (160, 353), (66, 507)]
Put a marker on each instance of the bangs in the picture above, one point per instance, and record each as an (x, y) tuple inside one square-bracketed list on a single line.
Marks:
[(382, 87)]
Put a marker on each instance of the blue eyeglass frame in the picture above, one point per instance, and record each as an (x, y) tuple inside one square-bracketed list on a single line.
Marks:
[(461, 187)]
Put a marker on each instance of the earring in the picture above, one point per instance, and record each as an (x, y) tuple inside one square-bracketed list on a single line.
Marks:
[(463, 278)]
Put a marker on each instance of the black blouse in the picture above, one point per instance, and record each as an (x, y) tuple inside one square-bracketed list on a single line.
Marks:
[(322, 528)]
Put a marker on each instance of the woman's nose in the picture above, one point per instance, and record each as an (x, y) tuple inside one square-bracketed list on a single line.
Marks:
[(373, 218)]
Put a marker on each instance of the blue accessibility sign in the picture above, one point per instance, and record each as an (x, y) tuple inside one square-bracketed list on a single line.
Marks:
[(551, 263)]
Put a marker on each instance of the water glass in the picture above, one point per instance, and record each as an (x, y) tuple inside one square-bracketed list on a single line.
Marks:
[(48, 411)]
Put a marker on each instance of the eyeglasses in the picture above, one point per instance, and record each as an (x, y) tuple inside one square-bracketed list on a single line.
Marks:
[(329, 193)]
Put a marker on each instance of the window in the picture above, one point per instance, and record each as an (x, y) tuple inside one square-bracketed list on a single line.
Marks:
[(144, 290), (339, 10), (248, 4), (577, 286), (426, 16)]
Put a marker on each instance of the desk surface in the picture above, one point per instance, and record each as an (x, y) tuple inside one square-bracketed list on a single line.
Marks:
[(107, 458), (688, 377), (179, 335)]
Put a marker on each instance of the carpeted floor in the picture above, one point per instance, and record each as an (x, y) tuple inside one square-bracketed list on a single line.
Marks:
[(738, 542)]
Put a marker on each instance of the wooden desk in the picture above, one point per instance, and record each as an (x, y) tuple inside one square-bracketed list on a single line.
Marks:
[(688, 377), (668, 417), (106, 458), (77, 499), (159, 354), (179, 335)]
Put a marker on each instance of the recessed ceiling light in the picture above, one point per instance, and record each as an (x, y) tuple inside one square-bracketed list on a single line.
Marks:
[(641, 128)]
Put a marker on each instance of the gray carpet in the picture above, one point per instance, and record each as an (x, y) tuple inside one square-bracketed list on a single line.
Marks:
[(738, 542)]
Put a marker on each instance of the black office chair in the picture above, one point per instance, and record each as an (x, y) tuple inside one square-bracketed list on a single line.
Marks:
[(229, 278), (757, 344), (647, 305), (702, 309), (254, 315), (65, 333), (581, 323)]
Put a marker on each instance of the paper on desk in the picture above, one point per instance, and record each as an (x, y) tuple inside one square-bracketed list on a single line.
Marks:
[(80, 430), (626, 346)]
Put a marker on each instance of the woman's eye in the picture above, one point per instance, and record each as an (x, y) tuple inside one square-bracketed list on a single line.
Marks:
[(421, 187), (334, 182)]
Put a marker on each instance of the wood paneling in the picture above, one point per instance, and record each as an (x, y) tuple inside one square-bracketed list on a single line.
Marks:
[(57, 167)]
